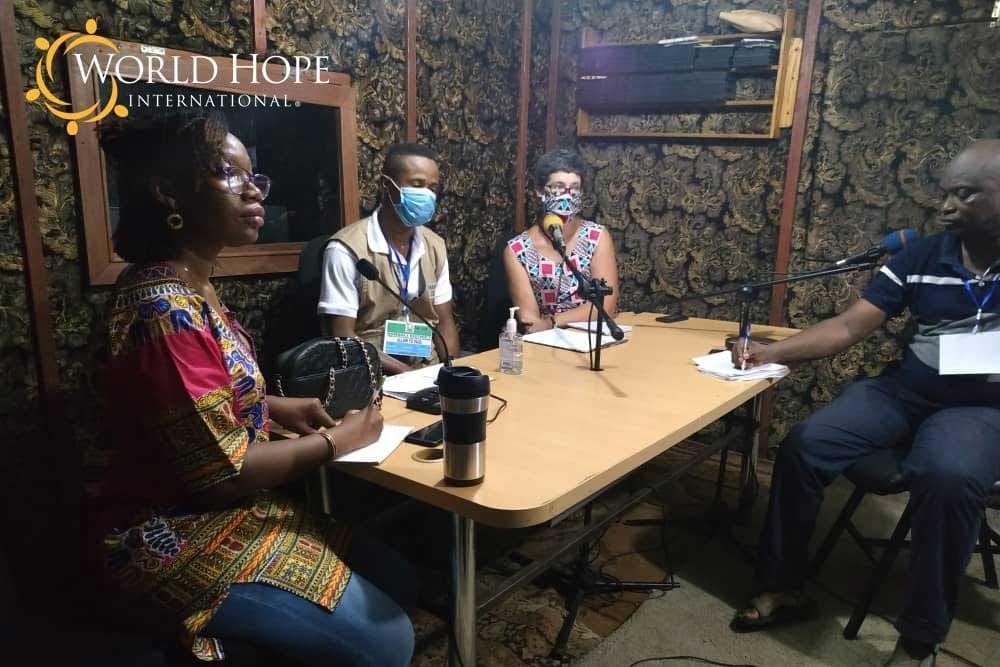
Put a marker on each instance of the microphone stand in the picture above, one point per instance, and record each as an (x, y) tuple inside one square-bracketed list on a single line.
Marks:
[(593, 291), (748, 292)]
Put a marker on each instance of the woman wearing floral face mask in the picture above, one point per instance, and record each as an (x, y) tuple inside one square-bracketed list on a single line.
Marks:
[(540, 284)]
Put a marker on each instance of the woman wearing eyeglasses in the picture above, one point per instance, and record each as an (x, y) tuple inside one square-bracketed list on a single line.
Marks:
[(540, 283), (184, 533)]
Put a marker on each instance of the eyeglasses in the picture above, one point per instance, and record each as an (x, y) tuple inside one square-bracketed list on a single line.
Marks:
[(239, 179), (557, 189)]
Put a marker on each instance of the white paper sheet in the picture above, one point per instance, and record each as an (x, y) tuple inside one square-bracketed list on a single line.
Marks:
[(379, 450), (404, 385), (720, 365), (970, 354), (569, 339)]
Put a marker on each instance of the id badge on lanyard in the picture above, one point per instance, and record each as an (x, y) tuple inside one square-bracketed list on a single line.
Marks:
[(976, 353), (402, 337)]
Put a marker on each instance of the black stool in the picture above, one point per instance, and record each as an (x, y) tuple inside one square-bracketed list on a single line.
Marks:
[(879, 473)]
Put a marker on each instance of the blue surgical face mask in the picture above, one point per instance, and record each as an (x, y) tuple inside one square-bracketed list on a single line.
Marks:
[(416, 205)]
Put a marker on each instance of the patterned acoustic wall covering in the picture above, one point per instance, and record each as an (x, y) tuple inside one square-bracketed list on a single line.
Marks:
[(20, 394), (467, 96), (37, 500), (896, 91), (688, 217), (469, 59), (899, 89)]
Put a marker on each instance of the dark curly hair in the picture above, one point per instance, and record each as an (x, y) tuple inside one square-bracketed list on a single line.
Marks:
[(177, 148), (560, 159)]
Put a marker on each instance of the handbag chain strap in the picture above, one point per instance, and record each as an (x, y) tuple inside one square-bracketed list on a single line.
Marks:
[(376, 390), (331, 388)]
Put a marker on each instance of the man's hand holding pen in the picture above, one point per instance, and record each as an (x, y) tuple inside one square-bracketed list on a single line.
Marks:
[(748, 353)]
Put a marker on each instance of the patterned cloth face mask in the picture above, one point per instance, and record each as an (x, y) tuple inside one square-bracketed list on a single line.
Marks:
[(564, 203)]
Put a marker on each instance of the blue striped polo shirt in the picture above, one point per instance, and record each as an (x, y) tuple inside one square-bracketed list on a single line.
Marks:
[(927, 277)]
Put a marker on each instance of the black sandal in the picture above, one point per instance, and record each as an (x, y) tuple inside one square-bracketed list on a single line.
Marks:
[(786, 614)]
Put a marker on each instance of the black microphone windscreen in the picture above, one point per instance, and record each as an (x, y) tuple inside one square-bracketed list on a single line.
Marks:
[(367, 269)]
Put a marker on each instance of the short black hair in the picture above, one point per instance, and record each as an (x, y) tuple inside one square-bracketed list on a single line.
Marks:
[(393, 165), (560, 159), (177, 148)]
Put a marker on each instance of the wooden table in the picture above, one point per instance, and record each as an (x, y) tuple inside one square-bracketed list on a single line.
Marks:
[(567, 433)]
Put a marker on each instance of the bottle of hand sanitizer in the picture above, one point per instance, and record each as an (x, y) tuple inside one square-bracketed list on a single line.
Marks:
[(511, 347)]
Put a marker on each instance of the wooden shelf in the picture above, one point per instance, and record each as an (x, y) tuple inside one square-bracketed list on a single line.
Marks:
[(675, 135), (702, 39), (781, 106), (749, 103)]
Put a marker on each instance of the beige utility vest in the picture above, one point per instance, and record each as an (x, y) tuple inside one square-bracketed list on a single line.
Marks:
[(375, 305)]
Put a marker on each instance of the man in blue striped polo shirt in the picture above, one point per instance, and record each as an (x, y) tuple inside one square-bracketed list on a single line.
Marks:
[(949, 422)]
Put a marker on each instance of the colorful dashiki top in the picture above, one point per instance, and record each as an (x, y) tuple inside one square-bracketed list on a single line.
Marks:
[(185, 400), (554, 285)]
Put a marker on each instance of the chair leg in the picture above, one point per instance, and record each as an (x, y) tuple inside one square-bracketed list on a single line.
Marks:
[(880, 572), (864, 543), (988, 551), (843, 519)]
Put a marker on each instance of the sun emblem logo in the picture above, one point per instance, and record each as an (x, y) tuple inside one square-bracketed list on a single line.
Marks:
[(59, 107)]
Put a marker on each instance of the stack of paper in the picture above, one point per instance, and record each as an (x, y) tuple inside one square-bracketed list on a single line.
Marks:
[(720, 365), (569, 339), (404, 385)]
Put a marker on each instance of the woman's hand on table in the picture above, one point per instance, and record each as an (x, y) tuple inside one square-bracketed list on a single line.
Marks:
[(358, 429), (300, 415), (530, 324)]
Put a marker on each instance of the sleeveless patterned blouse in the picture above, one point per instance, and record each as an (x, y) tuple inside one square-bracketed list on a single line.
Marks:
[(554, 285)]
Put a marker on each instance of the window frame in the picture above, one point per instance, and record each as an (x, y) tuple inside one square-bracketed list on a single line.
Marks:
[(103, 265)]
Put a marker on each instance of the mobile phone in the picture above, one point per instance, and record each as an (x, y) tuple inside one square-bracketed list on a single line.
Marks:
[(669, 319), (429, 436)]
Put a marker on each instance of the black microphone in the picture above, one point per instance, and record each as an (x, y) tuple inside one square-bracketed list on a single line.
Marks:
[(891, 244), (368, 270), (553, 226)]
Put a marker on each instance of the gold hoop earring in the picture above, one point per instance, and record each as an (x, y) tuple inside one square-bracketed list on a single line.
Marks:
[(175, 222)]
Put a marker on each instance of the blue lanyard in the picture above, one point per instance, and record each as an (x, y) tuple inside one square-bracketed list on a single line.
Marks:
[(401, 269), (979, 304)]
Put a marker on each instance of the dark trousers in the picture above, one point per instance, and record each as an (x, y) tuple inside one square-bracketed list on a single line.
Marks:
[(953, 461)]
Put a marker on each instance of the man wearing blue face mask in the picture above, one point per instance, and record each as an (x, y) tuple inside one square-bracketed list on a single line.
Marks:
[(411, 258)]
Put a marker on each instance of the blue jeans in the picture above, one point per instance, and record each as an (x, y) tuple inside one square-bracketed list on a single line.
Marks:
[(368, 626), (953, 460)]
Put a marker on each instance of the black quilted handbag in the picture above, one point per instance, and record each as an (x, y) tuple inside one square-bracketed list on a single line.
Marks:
[(344, 373)]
